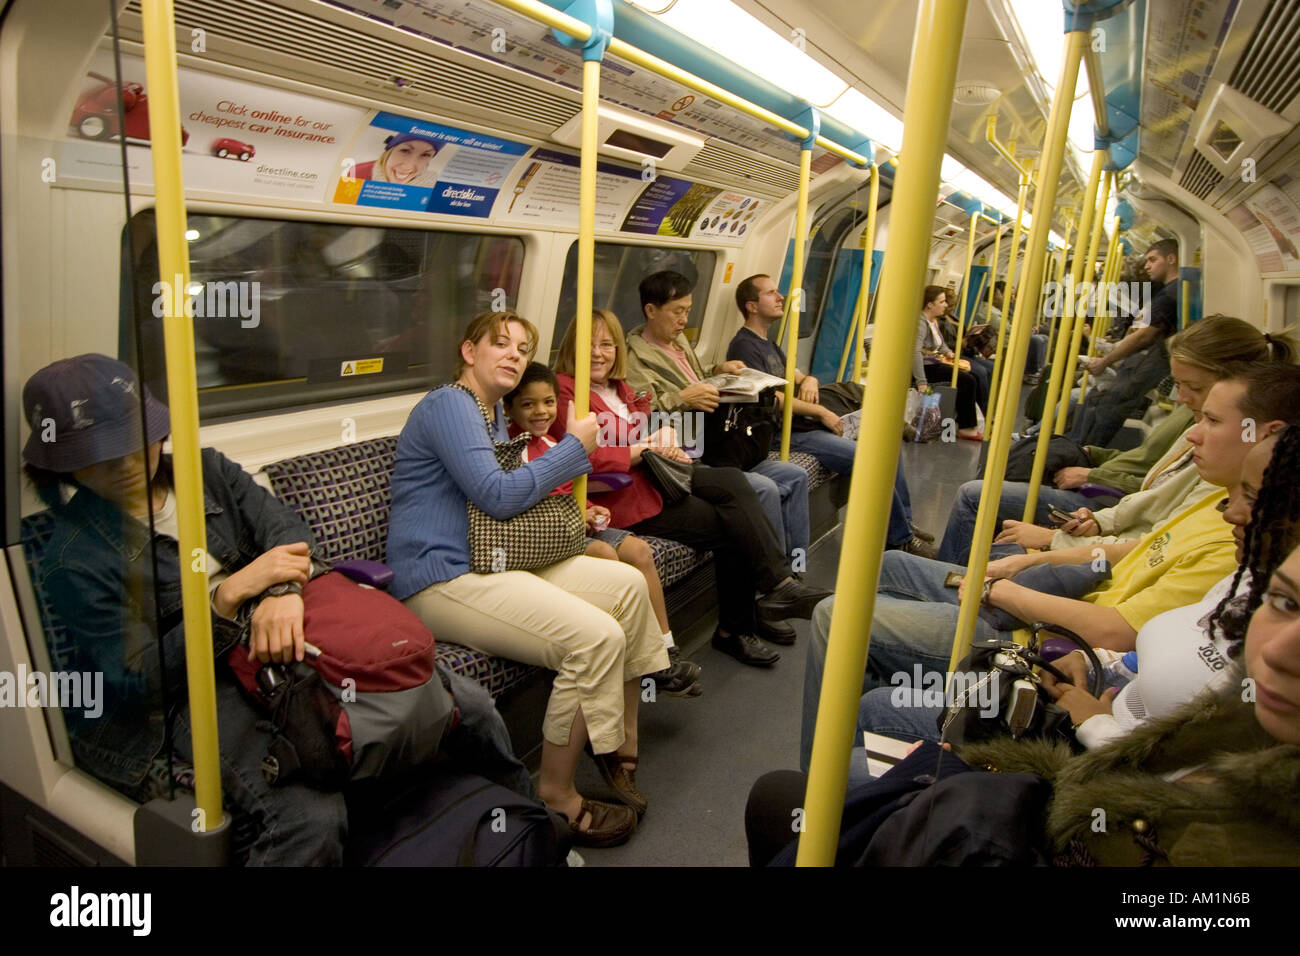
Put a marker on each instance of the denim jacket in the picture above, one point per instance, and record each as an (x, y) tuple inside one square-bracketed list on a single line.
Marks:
[(97, 573)]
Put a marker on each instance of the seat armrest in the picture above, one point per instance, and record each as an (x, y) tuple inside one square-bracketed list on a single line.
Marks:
[(602, 481), (1090, 490), (374, 573)]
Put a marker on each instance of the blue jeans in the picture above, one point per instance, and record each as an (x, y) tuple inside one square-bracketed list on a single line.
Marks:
[(782, 488), (836, 453), (957, 538), (914, 623), (480, 743)]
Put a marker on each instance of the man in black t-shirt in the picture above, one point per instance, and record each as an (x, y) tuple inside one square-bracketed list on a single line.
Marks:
[(760, 304), (1140, 359)]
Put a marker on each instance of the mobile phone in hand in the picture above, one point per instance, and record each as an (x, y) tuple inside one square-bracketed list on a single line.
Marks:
[(1061, 517)]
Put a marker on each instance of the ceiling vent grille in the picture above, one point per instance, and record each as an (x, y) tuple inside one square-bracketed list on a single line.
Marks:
[(310, 40), (1269, 69), (714, 161), (1200, 177)]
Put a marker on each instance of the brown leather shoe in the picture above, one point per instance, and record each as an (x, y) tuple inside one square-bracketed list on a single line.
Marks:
[(622, 779), (611, 824)]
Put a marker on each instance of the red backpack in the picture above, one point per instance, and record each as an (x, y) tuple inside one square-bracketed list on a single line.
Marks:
[(369, 703)]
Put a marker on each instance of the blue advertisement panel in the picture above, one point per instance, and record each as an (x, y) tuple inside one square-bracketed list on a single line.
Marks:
[(427, 167)]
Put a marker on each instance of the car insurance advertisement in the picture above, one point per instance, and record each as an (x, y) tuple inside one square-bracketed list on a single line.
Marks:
[(237, 137)]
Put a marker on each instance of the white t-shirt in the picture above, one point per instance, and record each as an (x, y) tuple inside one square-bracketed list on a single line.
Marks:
[(1177, 659), (165, 522)]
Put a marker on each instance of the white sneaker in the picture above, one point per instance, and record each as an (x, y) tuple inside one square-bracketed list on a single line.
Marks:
[(574, 859)]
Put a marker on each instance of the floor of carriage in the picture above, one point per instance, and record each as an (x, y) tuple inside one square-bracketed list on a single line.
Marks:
[(700, 756)]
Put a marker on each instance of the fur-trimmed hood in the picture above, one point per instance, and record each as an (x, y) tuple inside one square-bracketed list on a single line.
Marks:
[(1239, 805)]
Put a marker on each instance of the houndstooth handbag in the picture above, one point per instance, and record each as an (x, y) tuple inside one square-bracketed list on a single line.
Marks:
[(549, 531)]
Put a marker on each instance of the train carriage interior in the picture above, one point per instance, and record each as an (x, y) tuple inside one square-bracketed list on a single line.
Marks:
[(360, 178)]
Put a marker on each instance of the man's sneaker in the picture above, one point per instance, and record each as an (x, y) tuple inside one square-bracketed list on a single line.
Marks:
[(923, 535), (922, 549), (680, 678)]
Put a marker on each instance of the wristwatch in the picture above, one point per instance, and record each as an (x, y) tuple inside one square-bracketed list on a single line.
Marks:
[(280, 590)]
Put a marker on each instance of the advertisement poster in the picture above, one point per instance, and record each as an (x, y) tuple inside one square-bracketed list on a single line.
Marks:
[(546, 191), (729, 216), (1278, 215), (1267, 255), (669, 207), (238, 137), (404, 163)]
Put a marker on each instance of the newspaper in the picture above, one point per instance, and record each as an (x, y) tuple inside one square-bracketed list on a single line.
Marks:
[(743, 386)]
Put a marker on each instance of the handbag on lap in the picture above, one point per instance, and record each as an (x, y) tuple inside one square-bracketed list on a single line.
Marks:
[(549, 531), (672, 478)]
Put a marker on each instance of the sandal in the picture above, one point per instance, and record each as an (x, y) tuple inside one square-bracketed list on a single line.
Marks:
[(622, 779), (611, 824)]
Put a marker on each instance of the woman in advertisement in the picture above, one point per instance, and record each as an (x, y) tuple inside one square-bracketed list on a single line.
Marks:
[(405, 160)]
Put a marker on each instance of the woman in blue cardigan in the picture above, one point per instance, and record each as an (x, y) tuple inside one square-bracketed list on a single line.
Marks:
[(588, 620)]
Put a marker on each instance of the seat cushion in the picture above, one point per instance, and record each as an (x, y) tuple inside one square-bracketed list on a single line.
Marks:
[(344, 494), (818, 474)]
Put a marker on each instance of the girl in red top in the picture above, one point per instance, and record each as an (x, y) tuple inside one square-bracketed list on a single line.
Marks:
[(532, 408)]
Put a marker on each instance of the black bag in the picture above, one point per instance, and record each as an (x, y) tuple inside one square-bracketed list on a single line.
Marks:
[(1062, 452), (933, 809), (305, 721), (842, 398), (672, 478), (1024, 708), (738, 435), (446, 817)]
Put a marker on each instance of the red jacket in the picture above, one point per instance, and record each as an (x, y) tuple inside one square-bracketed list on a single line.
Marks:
[(535, 449), (639, 500)]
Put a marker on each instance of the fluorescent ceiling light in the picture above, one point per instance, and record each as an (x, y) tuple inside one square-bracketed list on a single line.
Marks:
[(867, 116), (1042, 24), (726, 29)]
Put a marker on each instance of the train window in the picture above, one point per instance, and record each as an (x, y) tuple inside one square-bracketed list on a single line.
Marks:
[(619, 269), (822, 252), (289, 312)]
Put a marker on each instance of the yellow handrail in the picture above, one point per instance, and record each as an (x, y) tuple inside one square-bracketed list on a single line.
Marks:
[(858, 327), (1102, 321), (1044, 203), (935, 47), (1060, 281), (159, 26), (965, 293), (1002, 326), (586, 291), (1090, 267), (1063, 359), (575, 28), (1022, 196), (796, 297)]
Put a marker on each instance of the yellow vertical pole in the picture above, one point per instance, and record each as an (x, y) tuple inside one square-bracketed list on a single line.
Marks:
[(1185, 306), (936, 44), (159, 25), (1063, 358), (1060, 283), (965, 292), (1058, 124), (1090, 264), (1103, 322), (1022, 196), (868, 264), (993, 275), (859, 319), (1002, 334), (796, 297), (586, 252)]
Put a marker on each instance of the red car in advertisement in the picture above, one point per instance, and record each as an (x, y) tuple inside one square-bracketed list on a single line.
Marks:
[(96, 114), (232, 149)]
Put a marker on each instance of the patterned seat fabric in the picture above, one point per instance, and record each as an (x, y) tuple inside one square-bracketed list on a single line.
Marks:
[(345, 495), (818, 474)]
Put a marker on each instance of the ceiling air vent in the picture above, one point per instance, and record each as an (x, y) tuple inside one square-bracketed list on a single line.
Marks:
[(314, 41), (717, 160), (1269, 69), (1234, 128), (1200, 177)]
